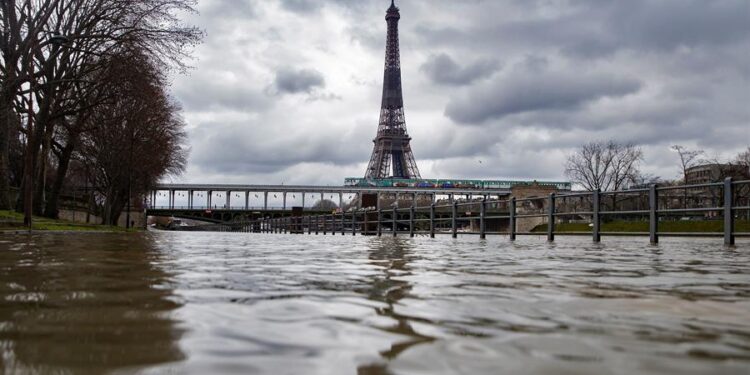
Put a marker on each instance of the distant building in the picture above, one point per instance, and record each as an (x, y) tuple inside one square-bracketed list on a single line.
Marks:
[(710, 196), (715, 172)]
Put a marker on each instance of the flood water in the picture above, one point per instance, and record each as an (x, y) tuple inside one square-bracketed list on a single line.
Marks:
[(179, 302)]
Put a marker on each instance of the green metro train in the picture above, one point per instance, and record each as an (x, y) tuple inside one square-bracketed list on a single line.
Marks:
[(451, 183)]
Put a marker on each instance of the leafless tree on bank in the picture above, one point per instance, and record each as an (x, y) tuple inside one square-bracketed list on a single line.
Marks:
[(139, 137), (604, 166), (45, 75), (688, 159), (743, 158)]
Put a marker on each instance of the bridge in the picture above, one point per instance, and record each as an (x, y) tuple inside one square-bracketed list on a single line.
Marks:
[(198, 199)]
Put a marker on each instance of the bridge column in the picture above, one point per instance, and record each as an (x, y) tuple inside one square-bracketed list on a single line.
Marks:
[(190, 199), (303, 200), (283, 206), (341, 201), (321, 199), (229, 202), (247, 200), (171, 199), (359, 200), (265, 201), (208, 199)]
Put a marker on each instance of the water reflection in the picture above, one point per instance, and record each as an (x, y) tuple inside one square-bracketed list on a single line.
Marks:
[(392, 255), (66, 305), (276, 304)]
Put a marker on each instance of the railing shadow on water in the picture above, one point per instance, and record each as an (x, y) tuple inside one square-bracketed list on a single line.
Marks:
[(719, 209)]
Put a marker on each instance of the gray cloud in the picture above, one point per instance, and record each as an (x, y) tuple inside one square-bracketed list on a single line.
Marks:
[(442, 69), (291, 81), (291, 89), (211, 93), (532, 91), (600, 28), (301, 6)]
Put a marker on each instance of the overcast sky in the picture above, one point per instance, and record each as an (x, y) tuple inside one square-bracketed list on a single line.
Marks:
[(288, 91)]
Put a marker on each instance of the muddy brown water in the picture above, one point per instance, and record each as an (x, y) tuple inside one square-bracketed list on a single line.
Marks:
[(178, 302)]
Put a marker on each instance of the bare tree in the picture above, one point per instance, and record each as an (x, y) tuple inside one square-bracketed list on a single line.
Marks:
[(604, 166), (325, 204), (743, 158), (48, 49), (688, 159), (138, 138)]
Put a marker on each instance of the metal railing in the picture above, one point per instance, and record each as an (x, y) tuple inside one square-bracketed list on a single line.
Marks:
[(712, 202)]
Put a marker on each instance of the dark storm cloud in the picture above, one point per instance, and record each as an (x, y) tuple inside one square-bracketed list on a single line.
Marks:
[(666, 24), (599, 28), (442, 69), (292, 81), (532, 91)]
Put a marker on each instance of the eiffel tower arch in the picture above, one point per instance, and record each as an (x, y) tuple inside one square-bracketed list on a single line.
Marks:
[(391, 154)]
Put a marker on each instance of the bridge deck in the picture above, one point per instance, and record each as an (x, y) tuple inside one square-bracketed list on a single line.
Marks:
[(326, 189)]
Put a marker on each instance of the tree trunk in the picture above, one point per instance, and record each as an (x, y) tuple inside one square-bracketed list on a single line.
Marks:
[(37, 171), (113, 206), (6, 114), (52, 210)]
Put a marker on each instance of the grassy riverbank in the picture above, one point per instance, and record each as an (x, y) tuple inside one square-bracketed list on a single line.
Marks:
[(13, 221), (702, 226)]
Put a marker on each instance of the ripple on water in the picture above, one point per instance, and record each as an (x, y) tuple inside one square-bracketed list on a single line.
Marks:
[(285, 304)]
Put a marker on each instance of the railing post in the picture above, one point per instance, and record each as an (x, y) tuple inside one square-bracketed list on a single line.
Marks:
[(354, 223), (411, 221), (432, 220), (364, 223), (653, 216), (454, 224), (309, 224), (482, 223), (316, 224), (325, 224), (728, 217), (395, 226), (551, 218), (512, 218), (595, 219), (380, 224), (343, 227)]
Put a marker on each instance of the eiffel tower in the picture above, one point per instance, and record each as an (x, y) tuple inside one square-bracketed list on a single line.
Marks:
[(392, 152)]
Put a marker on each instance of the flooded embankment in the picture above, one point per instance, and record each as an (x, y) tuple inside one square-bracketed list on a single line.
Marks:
[(181, 302)]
